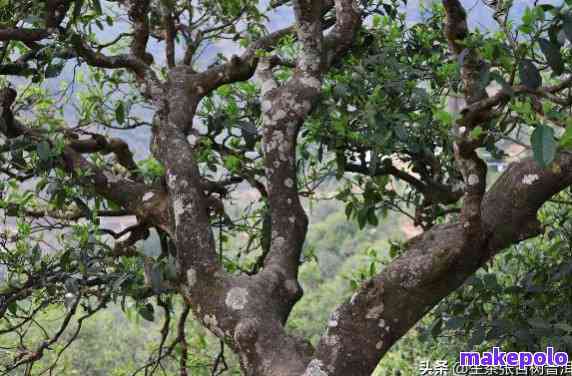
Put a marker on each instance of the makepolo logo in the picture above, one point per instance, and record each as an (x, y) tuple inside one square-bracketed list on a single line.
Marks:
[(514, 359)]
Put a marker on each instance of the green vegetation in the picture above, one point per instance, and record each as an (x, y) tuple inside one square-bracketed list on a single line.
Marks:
[(519, 302)]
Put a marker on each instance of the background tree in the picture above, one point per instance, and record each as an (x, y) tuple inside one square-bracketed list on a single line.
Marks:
[(350, 95)]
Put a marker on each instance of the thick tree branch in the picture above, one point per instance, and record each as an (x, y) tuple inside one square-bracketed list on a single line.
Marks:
[(435, 264), (434, 192), (100, 144), (471, 166), (97, 59), (284, 110), (23, 35), (138, 14)]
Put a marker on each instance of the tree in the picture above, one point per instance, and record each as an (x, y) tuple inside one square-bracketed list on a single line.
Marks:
[(350, 89), (518, 302)]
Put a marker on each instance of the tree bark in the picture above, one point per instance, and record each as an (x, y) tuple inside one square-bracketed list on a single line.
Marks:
[(435, 263)]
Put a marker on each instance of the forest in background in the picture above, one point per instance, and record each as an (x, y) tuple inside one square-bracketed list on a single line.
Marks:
[(520, 301)]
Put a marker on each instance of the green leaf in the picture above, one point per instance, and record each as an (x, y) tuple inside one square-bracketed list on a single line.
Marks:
[(341, 90), (78, 4), (372, 217), (97, 7), (567, 27), (147, 312), (43, 183), (553, 55), (491, 281), (372, 269), (54, 70), (232, 163), (43, 149), (546, 7), (485, 75), (436, 327), (13, 308), (362, 218), (156, 278), (349, 210), (566, 139), (120, 113), (476, 133), (529, 75), (170, 269), (444, 117), (539, 323), (553, 32), (455, 323), (543, 145)]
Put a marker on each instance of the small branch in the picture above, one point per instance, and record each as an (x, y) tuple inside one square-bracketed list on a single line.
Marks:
[(138, 14), (97, 59), (220, 361), (182, 339), (23, 35), (100, 144), (169, 26)]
